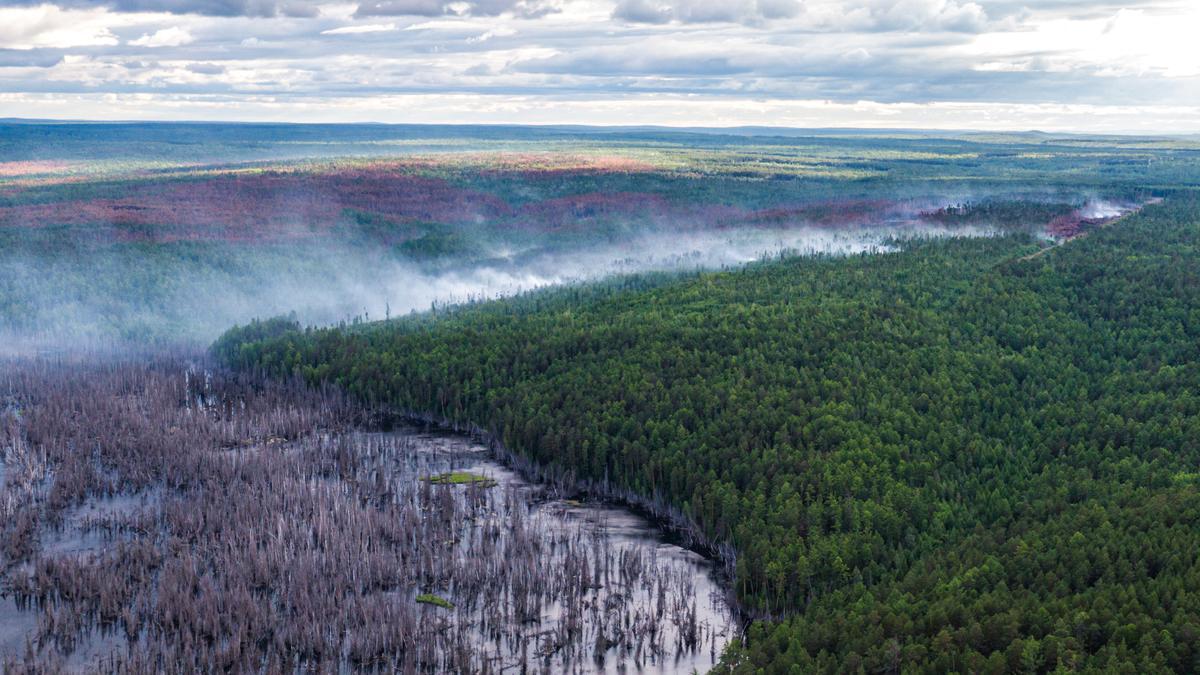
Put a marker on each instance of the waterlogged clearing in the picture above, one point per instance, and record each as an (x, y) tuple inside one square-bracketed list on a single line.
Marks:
[(628, 600), (98, 523), (225, 522)]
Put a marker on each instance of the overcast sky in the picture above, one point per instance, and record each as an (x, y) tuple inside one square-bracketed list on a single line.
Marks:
[(1080, 65)]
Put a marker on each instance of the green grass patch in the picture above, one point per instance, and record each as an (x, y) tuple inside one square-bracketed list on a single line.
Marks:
[(461, 478), (431, 599)]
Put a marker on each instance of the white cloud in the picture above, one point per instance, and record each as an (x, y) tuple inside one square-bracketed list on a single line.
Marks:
[(362, 28), (528, 9), (339, 11), (167, 37), (49, 27), (921, 16), (1130, 43), (705, 11), (501, 31), (829, 15), (727, 52)]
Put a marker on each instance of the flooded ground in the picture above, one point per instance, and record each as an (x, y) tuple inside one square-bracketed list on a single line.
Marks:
[(220, 522), (675, 589)]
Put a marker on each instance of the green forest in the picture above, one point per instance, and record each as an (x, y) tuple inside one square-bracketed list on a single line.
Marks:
[(951, 457)]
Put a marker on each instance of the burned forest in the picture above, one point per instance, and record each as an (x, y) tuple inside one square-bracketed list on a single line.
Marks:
[(164, 516)]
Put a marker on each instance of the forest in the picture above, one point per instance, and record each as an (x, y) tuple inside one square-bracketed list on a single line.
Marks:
[(762, 401), (953, 456)]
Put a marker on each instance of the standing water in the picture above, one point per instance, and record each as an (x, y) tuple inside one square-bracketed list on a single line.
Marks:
[(182, 520), (624, 599)]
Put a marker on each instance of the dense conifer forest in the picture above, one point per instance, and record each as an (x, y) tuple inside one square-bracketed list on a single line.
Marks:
[(950, 457)]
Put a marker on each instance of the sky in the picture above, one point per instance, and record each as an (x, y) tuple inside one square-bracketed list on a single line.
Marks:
[(1056, 65)]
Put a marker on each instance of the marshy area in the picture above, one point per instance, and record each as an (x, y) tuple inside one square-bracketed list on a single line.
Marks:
[(160, 516)]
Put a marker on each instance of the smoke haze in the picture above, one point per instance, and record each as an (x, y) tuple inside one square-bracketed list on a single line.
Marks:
[(111, 297)]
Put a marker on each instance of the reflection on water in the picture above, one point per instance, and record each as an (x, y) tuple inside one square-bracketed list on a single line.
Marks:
[(674, 598), (97, 523), (490, 574), (15, 626)]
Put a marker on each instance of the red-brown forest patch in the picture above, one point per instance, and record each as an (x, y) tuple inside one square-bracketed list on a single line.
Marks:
[(289, 203)]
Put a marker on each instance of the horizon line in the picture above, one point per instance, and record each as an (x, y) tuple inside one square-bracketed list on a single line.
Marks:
[(710, 129)]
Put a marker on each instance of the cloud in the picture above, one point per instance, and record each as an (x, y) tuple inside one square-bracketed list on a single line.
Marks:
[(206, 68), (1127, 43), (361, 28), (643, 11), (834, 15), (28, 58), (528, 9), (928, 15), (909, 16), (254, 8), (167, 37), (1063, 52), (403, 8), (705, 11), (670, 60), (502, 31), (48, 26)]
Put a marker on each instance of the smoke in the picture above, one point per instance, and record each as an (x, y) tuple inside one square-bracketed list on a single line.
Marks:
[(375, 288), (1097, 209), (405, 289), (108, 298)]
